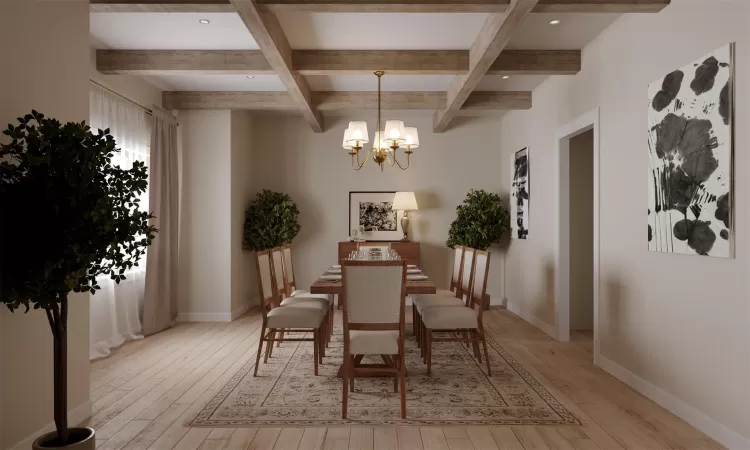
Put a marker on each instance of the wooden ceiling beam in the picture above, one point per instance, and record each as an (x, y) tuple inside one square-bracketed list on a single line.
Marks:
[(266, 30), (483, 6), (477, 102), (333, 62), (424, 6), (490, 42)]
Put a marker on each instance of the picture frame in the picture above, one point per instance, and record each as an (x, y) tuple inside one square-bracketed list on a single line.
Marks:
[(520, 193), (372, 211)]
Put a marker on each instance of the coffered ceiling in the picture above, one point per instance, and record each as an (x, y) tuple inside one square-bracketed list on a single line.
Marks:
[(286, 51)]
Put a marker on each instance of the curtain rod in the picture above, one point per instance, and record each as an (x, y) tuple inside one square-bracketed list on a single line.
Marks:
[(147, 110)]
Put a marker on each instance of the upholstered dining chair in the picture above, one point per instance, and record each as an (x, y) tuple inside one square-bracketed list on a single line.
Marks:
[(277, 318), (290, 286), (374, 322), (308, 300), (453, 291), (459, 297), (466, 320)]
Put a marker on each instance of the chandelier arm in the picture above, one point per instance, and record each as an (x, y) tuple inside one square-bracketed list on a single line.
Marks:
[(399, 164), (360, 165)]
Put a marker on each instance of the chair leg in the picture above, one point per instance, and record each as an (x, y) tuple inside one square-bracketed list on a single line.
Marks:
[(316, 336), (428, 350), (269, 346), (402, 382), (475, 345), (345, 379), (484, 344), (281, 336), (395, 378), (260, 348)]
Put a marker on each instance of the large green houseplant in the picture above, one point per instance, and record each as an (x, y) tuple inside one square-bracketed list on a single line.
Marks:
[(270, 221), (480, 221), (67, 216)]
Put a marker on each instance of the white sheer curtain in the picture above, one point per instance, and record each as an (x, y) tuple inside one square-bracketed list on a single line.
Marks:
[(116, 308)]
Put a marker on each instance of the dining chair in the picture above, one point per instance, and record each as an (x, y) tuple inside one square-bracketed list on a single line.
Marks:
[(290, 286), (280, 276), (277, 318), (447, 298), (374, 322), (466, 320), (453, 291)]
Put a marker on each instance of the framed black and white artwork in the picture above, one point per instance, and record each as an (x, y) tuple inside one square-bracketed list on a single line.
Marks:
[(690, 151), (372, 212), (519, 195)]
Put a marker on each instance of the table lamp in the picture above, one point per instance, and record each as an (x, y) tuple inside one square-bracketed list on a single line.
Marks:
[(405, 201)]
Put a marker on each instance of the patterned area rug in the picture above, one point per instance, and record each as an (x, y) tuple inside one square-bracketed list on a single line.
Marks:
[(458, 392)]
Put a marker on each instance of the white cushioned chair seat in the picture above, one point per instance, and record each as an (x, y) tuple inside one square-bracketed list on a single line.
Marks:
[(437, 300), (304, 293), (450, 318), (293, 317), (306, 302), (373, 342)]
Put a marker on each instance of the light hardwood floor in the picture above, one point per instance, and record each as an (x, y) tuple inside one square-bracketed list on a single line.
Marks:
[(145, 392)]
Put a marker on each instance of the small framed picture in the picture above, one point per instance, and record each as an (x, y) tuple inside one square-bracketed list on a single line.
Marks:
[(372, 213)]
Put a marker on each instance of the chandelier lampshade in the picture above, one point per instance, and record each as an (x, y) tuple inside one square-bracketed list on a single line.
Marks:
[(412, 137), (358, 133), (394, 132)]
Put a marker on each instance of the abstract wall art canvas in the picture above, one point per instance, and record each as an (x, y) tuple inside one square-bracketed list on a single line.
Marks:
[(373, 213), (690, 150), (519, 195)]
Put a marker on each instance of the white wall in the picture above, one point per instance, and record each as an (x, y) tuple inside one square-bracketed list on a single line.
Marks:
[(244, 284), (44, 46), (582, 231), (675, 326), (217, 278), (316, 172), (205, 215)]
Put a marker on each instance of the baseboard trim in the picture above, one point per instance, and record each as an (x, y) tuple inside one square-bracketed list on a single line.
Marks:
[(204, 317), (76, 415), (532, 319), (717, 431)]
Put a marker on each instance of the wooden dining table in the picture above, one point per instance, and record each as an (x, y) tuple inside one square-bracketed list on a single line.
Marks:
[(335, 287)]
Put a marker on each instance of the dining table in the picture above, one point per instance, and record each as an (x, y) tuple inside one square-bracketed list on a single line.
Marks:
[(325, 285)]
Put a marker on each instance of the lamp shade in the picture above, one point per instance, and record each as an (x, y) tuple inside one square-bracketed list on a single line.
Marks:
[(405, 201), (412, 137), (394, 131), (358, 133), (347, 135)]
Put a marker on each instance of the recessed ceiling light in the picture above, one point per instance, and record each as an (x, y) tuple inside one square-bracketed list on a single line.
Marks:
[(505, 77), (204, 21), (554, 22), (250, 77)]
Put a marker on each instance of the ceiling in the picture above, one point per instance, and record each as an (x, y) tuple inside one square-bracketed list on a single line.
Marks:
[(338, 31)]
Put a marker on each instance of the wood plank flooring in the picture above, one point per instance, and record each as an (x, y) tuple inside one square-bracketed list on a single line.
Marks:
[(147, 390)]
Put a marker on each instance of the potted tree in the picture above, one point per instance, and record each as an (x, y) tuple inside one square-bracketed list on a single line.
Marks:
[(67, 216), (270, 221), (481, 221)]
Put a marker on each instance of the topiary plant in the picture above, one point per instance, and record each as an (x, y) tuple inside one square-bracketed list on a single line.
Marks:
[(481, 221), (270, 221), (67, 216)]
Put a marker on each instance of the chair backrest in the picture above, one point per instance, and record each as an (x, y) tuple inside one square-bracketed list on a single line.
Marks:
[(266, 284), (466, 268), (458, 260), (479, 280), (277, 258), (375, 294), (289, 269)]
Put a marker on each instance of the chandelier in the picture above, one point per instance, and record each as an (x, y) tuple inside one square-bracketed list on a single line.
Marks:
[(386, 144)]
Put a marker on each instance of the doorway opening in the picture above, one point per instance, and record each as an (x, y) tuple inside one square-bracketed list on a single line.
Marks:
[(578, 231)]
